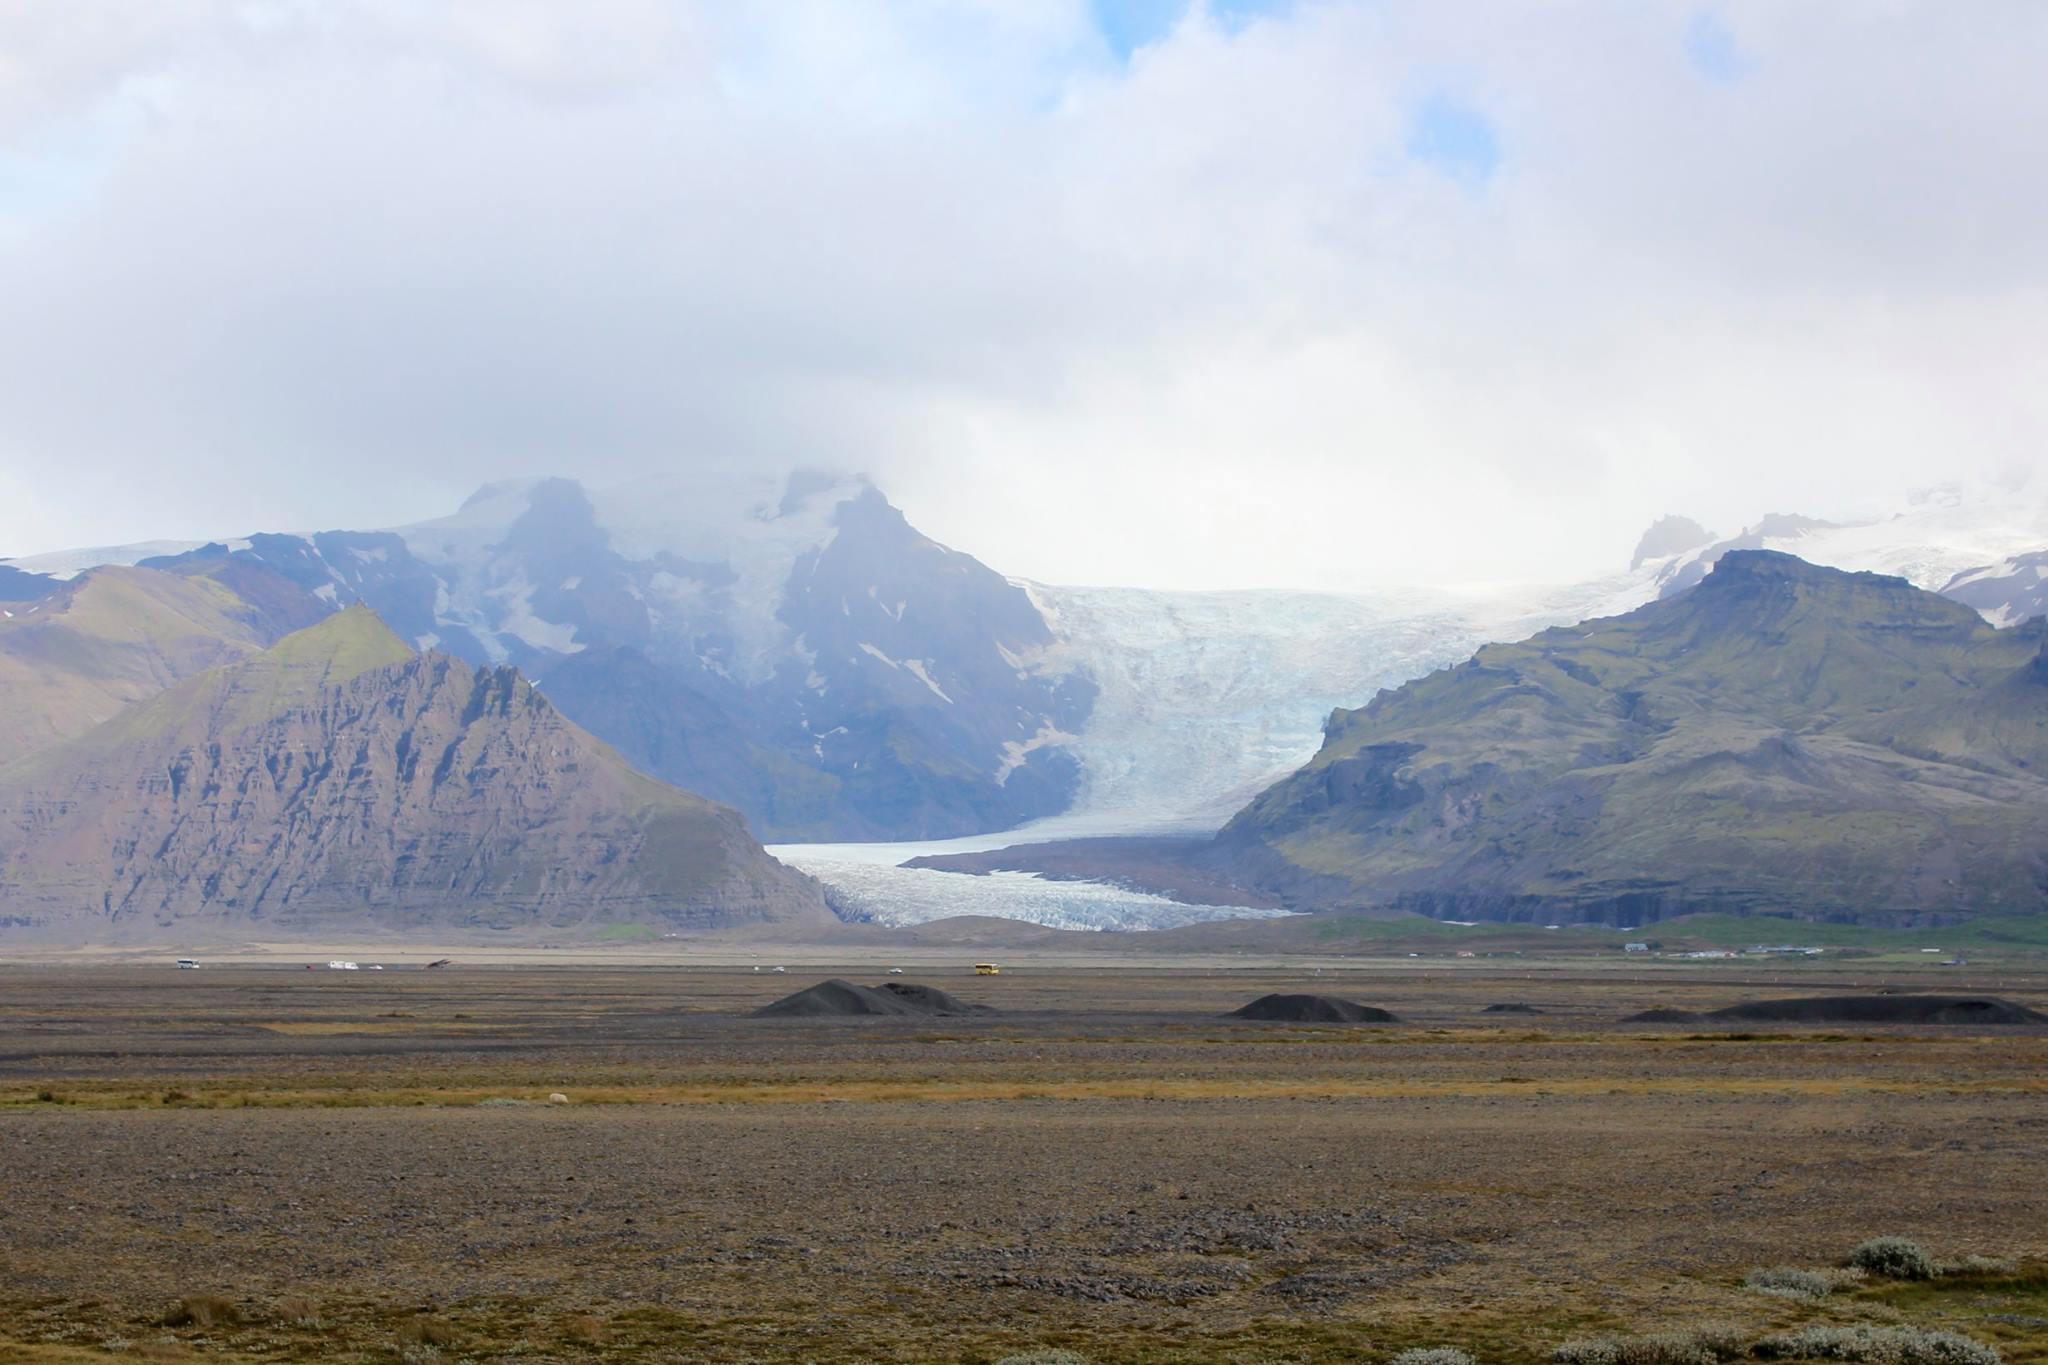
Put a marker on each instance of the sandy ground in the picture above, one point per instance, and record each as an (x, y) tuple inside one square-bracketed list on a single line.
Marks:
[(365, 1166)]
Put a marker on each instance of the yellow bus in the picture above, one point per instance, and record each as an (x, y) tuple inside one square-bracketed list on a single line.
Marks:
[(986, 969)]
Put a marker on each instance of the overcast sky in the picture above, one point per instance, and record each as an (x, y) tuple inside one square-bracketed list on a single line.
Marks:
[(1127, 291)]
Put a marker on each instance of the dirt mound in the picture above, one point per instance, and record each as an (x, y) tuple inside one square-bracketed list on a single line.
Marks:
[(1511, 1007), (1312, 1009), (930, 999), (836, 999), (1885, 1009), (1664, 1016)]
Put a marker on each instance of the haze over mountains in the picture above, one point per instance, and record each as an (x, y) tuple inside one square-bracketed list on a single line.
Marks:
[(794, 649)]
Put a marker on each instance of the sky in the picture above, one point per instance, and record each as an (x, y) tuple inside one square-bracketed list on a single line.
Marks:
[(1306, 293)]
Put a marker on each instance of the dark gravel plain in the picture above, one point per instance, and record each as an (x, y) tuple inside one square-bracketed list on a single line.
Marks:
[(370, 1168)]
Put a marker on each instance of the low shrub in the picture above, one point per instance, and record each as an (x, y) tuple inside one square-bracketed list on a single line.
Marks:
[(176, 1097), (1048, 1356), (1696, 1346), (1893, 1257), (1435, 1355), (202, 1310), (1878, 1346), (1788, 1282)]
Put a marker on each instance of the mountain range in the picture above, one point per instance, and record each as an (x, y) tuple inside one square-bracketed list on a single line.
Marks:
[(795, 650)]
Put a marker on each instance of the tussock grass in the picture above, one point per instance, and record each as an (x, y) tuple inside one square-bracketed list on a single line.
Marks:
[(584, 1331), (429, 1332), (1434, 1355), (203, 1311)]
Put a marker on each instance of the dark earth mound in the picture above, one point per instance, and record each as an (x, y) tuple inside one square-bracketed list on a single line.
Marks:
[(1664, 1016), (1885, 1009), (930, 999), (1511, 1007), (836, 999), (1312, 1009)]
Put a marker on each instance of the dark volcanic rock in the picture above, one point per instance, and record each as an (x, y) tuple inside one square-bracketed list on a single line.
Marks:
[(1312, 1009), (1885, 1009), (19, 585), (931, 999), (1670, 535), (1511, 1007), (2011, 591), (1664, 1016), (837, 999)]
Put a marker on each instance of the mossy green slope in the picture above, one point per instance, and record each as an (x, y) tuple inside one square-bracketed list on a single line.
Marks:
[(1783, 738), (106, 640)]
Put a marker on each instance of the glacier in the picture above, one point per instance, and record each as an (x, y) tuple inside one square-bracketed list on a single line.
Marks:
[(1199, 699)]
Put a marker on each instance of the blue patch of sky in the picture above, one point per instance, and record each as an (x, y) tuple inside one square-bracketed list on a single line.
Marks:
[(1711, 48), (1454, 138), (56, 169), (1128, 25)]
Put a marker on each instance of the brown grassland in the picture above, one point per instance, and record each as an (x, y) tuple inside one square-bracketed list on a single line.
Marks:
[(252, 1164)]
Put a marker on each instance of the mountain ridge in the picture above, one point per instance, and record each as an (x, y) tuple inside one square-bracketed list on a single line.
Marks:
[(1781, 738), (339, 780)]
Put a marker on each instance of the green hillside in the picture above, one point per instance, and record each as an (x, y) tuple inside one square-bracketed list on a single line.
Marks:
[(109, 638), (1781, 739)]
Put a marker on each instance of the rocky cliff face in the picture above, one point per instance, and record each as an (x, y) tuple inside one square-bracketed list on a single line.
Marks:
[(341, 780), (2008, 592), (792, 647), (1781, 738)]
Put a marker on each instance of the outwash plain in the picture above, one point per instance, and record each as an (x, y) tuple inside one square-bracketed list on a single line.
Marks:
[(258, 1162)]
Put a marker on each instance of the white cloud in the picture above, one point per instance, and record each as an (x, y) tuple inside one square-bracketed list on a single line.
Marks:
[(1196, 320)]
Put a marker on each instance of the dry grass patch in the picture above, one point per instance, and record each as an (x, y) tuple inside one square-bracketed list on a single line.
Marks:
[(205, 1311), (429, 1332), (584, 1331)]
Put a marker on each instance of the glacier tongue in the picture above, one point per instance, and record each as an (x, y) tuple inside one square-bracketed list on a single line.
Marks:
[(1207, 698), (867, 879)]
